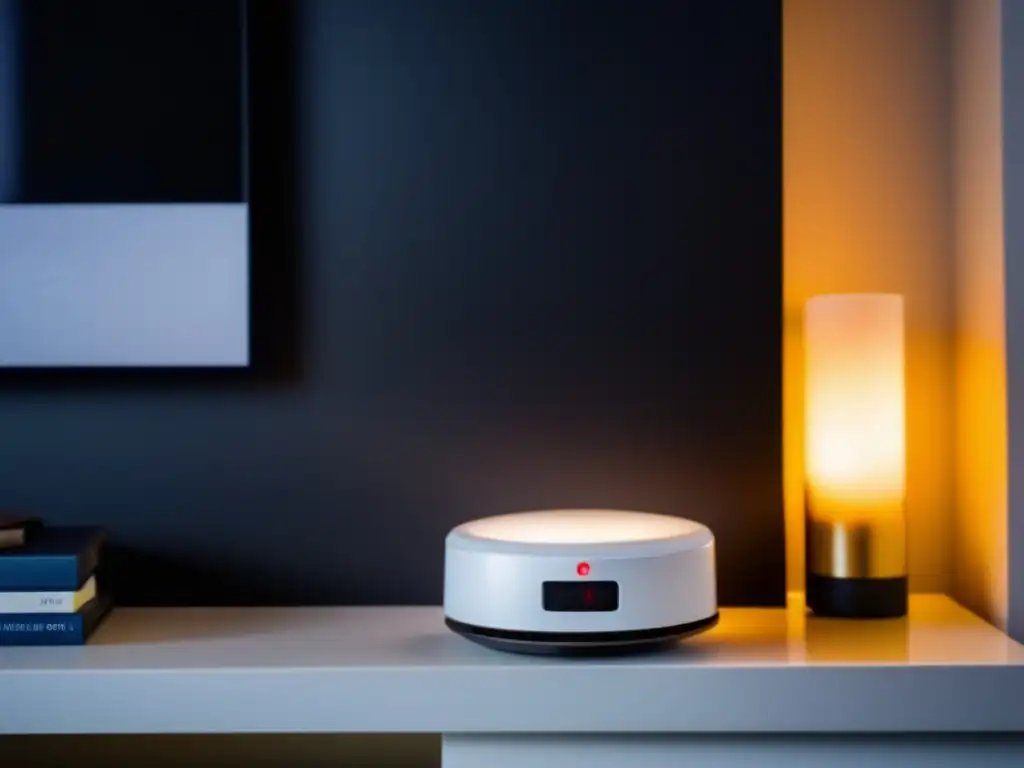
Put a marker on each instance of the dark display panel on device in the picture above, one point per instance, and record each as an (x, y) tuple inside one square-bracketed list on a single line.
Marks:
[(581, 596)]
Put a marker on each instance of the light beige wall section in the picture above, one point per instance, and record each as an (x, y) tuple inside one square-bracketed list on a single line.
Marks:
[(980, 544), (867, 200)]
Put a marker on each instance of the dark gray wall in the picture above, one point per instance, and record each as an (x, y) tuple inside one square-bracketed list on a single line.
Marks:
[(540, 265)]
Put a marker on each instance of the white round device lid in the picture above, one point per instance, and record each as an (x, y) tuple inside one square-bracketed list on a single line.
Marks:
[(573, 528)]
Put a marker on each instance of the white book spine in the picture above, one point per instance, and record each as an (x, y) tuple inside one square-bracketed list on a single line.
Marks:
[(47, 602)]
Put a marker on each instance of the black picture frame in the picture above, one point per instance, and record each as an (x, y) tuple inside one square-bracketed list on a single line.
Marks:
[(272, 193)]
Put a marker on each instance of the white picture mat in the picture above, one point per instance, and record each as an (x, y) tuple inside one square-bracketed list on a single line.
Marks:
[(124, 285)]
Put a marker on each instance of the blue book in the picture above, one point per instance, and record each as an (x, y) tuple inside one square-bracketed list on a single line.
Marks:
[(58, 558), (54, 628)]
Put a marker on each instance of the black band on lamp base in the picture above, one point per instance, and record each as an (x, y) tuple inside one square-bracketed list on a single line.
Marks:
[(857, 598)]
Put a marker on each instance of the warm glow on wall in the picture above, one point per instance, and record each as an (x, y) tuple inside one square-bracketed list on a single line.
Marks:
[(981, 540), (866, 201), (893, 182), (855, 455)]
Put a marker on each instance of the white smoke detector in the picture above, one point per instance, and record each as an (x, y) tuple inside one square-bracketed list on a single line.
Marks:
[(579, 580)]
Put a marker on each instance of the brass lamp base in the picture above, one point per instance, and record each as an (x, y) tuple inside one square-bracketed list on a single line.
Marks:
[(865, 598)]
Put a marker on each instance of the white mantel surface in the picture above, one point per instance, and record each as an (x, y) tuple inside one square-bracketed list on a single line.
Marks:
[(387, 669)]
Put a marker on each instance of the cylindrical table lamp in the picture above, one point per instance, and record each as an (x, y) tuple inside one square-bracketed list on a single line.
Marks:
[(855, 456)]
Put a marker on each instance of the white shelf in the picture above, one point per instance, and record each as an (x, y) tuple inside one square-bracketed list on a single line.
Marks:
[(245, 670)]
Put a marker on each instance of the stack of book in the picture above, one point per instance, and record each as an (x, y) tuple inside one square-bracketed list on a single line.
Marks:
[(50, 592)]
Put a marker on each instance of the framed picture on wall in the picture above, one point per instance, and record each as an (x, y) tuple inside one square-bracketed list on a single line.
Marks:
[(137, 141)]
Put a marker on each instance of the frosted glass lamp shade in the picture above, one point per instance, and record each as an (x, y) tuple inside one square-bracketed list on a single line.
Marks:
[(855, 454)]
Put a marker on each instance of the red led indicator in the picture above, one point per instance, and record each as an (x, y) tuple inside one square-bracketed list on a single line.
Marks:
[(583, 569), (588, 596)]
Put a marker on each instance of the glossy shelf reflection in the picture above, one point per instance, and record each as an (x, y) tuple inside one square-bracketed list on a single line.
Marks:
[(936, 631)]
